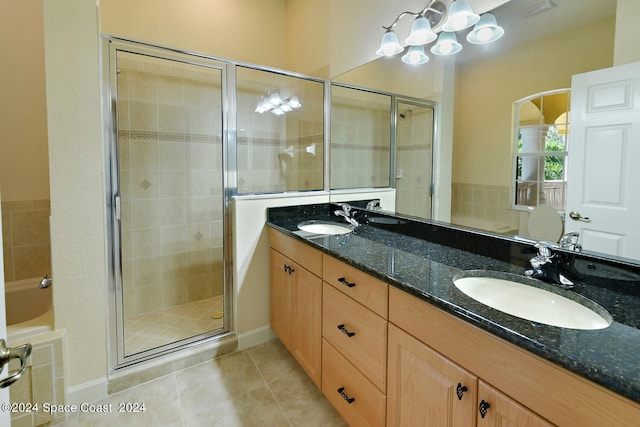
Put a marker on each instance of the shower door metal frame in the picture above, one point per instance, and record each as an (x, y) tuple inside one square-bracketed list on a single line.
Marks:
[(393, 118), (420, 103), (110, 46)]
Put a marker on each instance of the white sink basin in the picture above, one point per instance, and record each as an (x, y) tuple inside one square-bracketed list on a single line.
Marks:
[(324, 227), (519, 299)]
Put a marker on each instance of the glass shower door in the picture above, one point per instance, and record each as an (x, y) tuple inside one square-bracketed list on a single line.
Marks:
[(169, 203)]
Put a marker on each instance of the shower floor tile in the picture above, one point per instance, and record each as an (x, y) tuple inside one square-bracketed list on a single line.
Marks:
[(260, 386), (150, 330)]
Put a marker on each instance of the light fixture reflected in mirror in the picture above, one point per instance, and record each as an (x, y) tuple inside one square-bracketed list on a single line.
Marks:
[(447, 44), (275, 104), (390, 45), (415, 55), (459, 17), (421, 32), (486, 30)]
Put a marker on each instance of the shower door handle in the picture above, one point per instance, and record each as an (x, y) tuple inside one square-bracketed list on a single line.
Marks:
[(6, 354)]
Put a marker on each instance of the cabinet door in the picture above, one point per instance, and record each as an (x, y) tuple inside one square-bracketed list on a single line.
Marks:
[(281, 297), (426, 389), (501, 411), (307, 322)]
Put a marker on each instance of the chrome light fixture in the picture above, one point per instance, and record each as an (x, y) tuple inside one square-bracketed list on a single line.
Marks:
[(460, 16)]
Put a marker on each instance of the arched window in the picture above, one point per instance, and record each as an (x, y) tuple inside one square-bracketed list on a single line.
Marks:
[(541, 130)]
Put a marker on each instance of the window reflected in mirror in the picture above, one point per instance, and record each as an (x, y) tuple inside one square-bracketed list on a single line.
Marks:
[(541, 152)]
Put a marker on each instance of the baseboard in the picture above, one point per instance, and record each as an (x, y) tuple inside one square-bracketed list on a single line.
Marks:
[(255, 337), (90, 391)]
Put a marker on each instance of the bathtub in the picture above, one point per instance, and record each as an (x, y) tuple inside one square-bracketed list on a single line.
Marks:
[(29, 309)]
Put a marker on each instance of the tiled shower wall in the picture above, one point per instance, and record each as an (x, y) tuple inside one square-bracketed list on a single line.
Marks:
[(171, 185), (359, 145), (26, 239), (483, 206)]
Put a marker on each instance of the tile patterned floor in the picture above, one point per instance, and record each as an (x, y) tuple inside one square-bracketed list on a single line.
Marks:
[(150, 330), (260, 386)]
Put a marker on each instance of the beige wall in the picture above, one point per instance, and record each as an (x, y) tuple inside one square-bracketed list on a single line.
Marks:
[(627, 33), (24, 168), (486, 90), (77, 185), (243, 30), (307, 40)]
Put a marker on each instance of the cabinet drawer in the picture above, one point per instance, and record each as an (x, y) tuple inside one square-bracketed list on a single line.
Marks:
[(360, 286), (357, 332), (303, 254), (341, 381)]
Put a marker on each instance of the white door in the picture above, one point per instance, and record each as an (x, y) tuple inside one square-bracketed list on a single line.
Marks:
[(603, 202), (5, 419)]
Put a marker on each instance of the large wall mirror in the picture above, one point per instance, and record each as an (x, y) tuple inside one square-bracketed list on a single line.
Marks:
[(474, 93)]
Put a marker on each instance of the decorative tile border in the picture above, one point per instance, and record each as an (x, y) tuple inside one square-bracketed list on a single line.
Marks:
[(141, 135), (362, 147)]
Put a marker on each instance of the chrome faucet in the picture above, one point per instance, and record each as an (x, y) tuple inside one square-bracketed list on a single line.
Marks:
[(346, 214), (374, 205), (546, 267), (570, 241), (46, 281)]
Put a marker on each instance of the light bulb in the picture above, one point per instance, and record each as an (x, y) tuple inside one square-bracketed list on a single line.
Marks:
[(275, 98), (390, 45), (446, 48), (485, 34), (415, 55), (294, 102)]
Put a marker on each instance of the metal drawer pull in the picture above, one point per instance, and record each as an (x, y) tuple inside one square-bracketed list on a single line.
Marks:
[(6, 354), (346, 283), (460, 389), (349, 400), (483, 407), (288, 269), (346, 331)]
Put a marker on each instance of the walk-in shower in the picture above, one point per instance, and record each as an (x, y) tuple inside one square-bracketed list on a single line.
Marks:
[(188, 132), (169, 201)]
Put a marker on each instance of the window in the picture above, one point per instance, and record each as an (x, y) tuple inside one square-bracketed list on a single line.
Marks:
[(540, 149)]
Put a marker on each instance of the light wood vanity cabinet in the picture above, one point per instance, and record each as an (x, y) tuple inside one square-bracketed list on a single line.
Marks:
[(385, 357), (532, 391), (296, 301), (426, 388)]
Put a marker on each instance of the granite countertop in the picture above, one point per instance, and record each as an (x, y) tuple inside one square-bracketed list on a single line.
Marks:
[(425, 268)]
